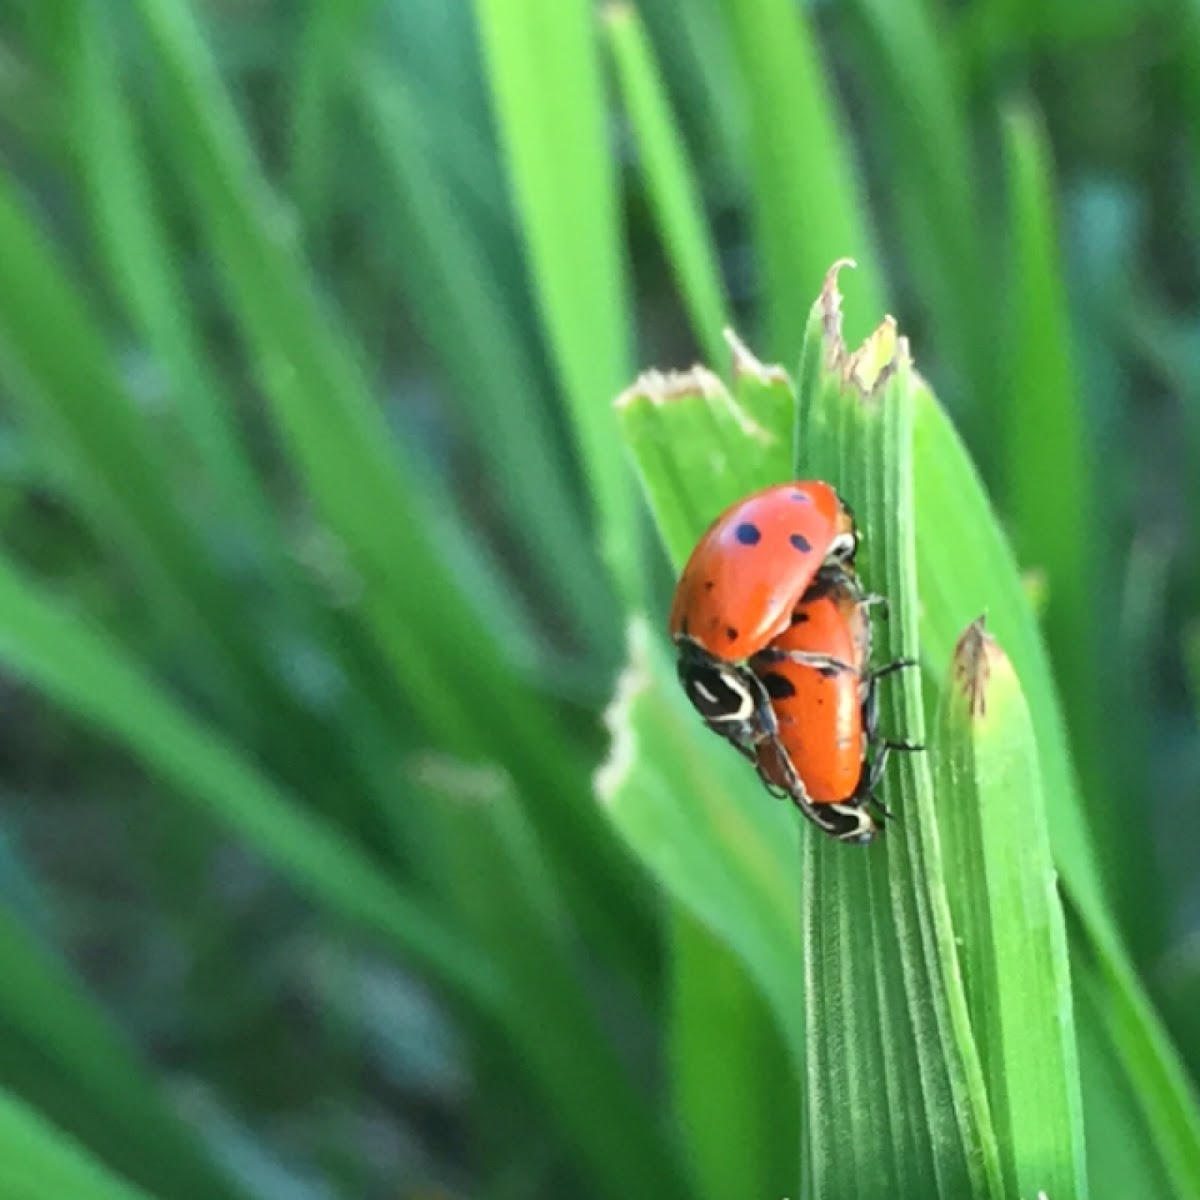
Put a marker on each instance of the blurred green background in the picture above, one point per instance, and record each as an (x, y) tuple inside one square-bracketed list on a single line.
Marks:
[(319, 537)]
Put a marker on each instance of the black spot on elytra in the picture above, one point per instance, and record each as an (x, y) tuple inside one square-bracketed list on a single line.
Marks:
[(747, 534), (731, 633), (801, 543), (799, 618), (709, 585), (779, 687)]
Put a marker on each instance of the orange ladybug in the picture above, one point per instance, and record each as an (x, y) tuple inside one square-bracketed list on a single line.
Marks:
[(826, 753), (738, 592)]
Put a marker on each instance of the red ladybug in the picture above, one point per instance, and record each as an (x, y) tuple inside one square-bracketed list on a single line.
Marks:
[(738, 592), (825, 752)]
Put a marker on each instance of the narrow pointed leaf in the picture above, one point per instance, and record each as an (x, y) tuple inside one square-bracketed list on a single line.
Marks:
[(1008, 918), (894, 1095)]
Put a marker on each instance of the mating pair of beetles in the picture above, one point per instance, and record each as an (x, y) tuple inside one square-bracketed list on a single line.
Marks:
[(773, 632)]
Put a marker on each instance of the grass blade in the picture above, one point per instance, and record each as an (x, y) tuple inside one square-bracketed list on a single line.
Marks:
[(495, 875), (685, 427), (1006, 912), (1047, 440), (308, 367), (919, 127), (747, 1149), (114, 466), (1163, 1103), (898, 1093), (886, 1110), (62, 1054), (1122, 1150), (808, 207), (543, 65), (128, 219), (670, 181), (968, 568), (75, 404), (895, 1098), (38, 1162), (328, 31)]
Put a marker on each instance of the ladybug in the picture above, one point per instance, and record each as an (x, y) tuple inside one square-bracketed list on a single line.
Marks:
[(738, 591), (826, 753)]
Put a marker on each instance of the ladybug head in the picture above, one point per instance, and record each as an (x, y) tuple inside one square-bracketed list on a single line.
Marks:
[(719, 691), (845, 822), (844, 547)]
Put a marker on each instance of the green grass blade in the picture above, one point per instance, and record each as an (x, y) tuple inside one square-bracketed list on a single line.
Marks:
[(1048, 489), (670, 180), (1009, 921), (82, 670), (807, 206), (919, 128), (329, 31), (1047, 436), (127, 217), (62, 1054), (894, 1095), (742, 1149), (38, 1162), (1122, 1150), (698, 64), (897, 1094), (455, 290), (1136, 1046), (542, 61), (378, 504), (494, 874), (223, 494)]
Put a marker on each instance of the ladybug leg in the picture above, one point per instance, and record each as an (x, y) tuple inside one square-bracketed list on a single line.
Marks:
[(873, 600), (881, 747), (896, 665), (870, 708), (868, 790)]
